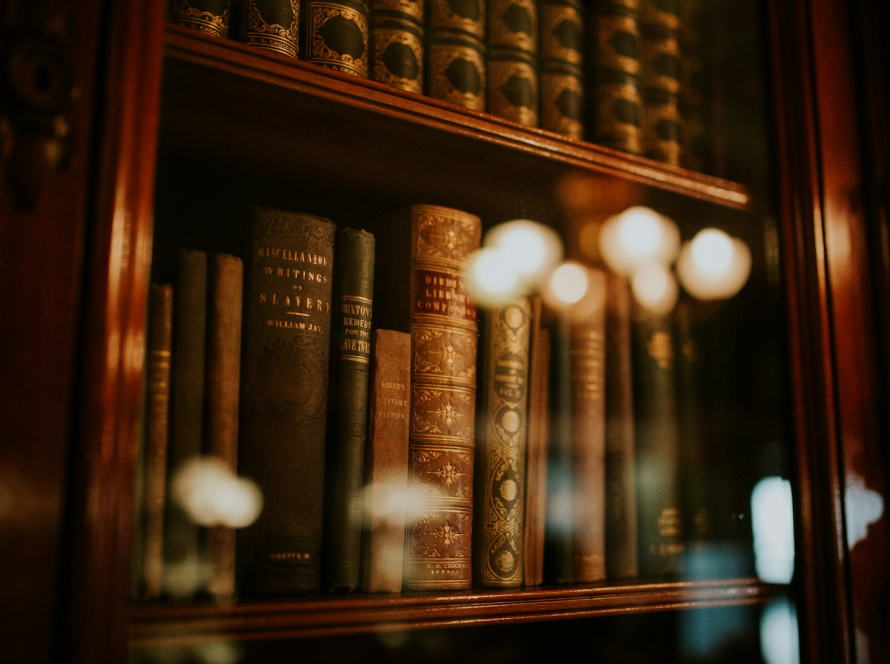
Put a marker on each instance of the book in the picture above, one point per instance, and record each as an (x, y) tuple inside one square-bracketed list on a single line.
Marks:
[(455, 52), (512, 44), (396, 43), (696, 93), (269, 24), (209, 16), (443, 330), (222, 402), (158, 358), (386, 463), (501, 439), (660, 80), (335, 35), (562, 67), (284, 393), (348, 426)]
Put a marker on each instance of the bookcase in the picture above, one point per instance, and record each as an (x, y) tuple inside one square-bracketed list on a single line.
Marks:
[(124, 137)]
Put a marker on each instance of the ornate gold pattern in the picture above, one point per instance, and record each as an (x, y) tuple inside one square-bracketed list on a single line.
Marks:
[(273, 36), (500, 72), (553, 17), (441, 58), (318, 49), (610, 28), (661, 349), (500, 32), (215, 24), (553, 84), (381, 39), (443, 16)]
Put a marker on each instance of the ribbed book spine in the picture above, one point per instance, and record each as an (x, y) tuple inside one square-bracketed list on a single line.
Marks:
[(513, 60), (286, 341), (562, 67), (210, 16), (396, 43), (501, 434), (659, 28), (353, 292), (443, 400), (455, 60), (269, 24), (335, 35)]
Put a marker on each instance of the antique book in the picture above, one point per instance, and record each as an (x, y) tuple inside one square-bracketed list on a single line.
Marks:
[(696, 89), (621, 503), (270, 24), (536, 452), (348, 425), (562, 67), (501, 439), (660, 80), (512, 41), (455, 52), (335, 35), (157, 410), (182, 541), (210, 16), (284, 392), (222, 399), (396, 43), (386, 463)]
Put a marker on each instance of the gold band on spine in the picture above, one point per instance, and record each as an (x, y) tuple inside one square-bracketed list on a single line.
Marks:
[(273, 36), (183, 13)]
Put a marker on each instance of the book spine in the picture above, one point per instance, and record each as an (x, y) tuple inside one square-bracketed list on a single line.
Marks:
[(660, 68), (587, 356), (269, 24), (621, 504), (396, 43), (443, 400), (696, 137), (209, 16), (354, 288), (502, 430), (284, 389), (224, 308), (182, 545), (562, 67), (386, 463), (617, 107), (335, 35), (455, 68), (513, 60), (160, 342)]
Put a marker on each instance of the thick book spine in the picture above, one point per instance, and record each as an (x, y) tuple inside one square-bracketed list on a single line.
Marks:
[(160, 342), (209, 16), (353, 293), (513, 60), (621, 503), (386, 463), (335, 35), (284, 389), (587, 353), (562, 67), (455, 60), (443, 400), (269, 24), (396, 43), (501, 435), (660, 79), (182, 545), (224, 308)]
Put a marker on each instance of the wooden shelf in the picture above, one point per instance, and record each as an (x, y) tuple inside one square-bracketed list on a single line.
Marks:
[(155, 625)]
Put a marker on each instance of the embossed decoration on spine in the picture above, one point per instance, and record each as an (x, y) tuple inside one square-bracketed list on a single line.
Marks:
[(659, 27), (397, 43), (456, 67), (562, 89), (443, 396), (210, 16), (272, 24), (513, 60), (335, 35), (501, 447)]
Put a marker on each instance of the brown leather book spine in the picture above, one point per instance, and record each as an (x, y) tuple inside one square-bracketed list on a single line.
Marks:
[(501, 435), (269, 24), (562, 67), (587, 349), (513, 60), (443, 400), (224, 305), (456, 68), (209, 16), (386, 463), (160, 335), (284, 391), (396, 43), (335, 35), (660, 79)]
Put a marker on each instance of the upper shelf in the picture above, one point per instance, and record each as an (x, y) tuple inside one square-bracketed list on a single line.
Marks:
[(228, 99)]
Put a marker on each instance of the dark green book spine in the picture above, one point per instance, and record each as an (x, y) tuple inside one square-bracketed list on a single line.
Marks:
[(270, 24), (562, 67), (396, 43), (456, 70), (284, 390), (513, 60), (354, 287), (335, 35), (210, 16), (660, 64)]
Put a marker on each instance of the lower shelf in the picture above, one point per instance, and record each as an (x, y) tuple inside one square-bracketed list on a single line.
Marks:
[(167, 624)]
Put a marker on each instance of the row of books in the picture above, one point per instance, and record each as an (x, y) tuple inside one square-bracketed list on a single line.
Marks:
[(403, 440), (629, 74)]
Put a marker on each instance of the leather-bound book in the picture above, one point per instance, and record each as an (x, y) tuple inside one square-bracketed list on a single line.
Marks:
[(696, 90), (284, 391), (513, 60), (335, 35), (562, 67), (157, 409), (269, 24), (348, 425), (660, 79), (396, 43), (501, 439), (456, 70), (224, 307), (386, 463), (209, 16)]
